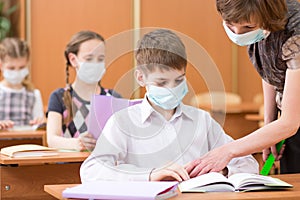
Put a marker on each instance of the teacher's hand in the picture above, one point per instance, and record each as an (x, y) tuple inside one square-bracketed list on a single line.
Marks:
[(214, 161), (278, 156)]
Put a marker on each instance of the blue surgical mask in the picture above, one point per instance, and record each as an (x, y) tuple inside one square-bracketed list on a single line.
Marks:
[(167, 98), (245, 38)]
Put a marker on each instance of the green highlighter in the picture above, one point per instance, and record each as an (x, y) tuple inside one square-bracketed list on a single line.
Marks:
[(270, 160)]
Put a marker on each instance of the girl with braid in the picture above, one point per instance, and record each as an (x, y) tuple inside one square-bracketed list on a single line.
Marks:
[(20, 103), (68, 107)]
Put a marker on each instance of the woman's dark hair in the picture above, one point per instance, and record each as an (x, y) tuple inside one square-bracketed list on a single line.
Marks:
[(271, 15)]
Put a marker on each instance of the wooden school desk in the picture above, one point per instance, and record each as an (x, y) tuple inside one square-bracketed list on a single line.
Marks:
[(235, 124), (294, 193), (25, 177), (9, 138)]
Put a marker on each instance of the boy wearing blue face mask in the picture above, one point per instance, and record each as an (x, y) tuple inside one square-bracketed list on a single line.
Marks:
[(68, 108), (152, 141)]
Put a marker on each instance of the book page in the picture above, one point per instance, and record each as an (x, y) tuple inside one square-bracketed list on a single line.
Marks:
[(207, 183), (247, 181), (29, 148), (34, 154)]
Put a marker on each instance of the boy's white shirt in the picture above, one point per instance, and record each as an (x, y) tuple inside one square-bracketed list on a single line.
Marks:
[(138, 139), (38, 109)]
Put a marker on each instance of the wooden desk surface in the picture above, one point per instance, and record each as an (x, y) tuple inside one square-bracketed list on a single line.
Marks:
[(9, 138), (294, 193), (61, 157), (22, 134)]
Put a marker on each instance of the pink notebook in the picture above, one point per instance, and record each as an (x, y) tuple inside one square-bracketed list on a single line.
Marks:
[(118, 190), (102, 107)]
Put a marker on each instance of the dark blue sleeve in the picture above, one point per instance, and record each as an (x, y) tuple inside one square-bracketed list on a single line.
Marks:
[(56, 103)]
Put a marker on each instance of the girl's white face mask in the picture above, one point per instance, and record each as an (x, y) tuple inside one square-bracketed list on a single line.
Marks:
[(167, 98), (246, 38), (15, 77), (91, 73)]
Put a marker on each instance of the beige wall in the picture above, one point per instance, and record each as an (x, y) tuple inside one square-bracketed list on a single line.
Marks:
[(54, 21)]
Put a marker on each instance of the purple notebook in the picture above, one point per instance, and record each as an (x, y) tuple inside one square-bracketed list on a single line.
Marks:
[(102, 107), (125, 190)]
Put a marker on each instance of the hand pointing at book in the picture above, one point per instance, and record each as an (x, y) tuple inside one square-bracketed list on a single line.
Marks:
[(214, 161)]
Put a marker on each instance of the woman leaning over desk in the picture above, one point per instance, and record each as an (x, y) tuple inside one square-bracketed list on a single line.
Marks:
[(271, 30)]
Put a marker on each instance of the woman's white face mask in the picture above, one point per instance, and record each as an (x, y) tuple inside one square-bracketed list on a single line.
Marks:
[(246, 38)]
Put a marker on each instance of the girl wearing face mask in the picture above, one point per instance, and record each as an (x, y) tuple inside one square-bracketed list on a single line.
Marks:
[(69, 107), (20, 103), (271, 30)]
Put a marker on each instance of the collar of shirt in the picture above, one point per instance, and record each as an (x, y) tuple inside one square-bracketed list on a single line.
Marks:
[(7, 89), (148, 110)]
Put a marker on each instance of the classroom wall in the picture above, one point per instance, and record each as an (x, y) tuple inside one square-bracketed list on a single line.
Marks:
[(54, 21)]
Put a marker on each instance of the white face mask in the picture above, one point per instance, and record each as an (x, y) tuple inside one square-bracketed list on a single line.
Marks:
[(15, 77), (91, 73), (167, 98), (246, 38)]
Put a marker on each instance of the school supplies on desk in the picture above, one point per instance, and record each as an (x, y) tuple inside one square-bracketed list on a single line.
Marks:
[(28, 150), (102, 107), (116, 190), (270, 160), (216, 182)]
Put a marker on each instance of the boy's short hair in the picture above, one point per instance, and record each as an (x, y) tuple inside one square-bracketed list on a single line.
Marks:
[(160, 48), (271, 15)]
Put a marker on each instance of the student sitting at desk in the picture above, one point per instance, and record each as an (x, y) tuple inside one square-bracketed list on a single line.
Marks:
[(69, 107), (152, 141), (20, 103)]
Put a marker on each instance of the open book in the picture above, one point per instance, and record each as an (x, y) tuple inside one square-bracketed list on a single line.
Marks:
[(216, 182), (122, 190), (28, 150)]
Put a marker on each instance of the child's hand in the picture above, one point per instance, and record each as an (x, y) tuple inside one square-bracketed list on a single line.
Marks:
[(87, 141), (6, 124), (38, 120), (171, 173)]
